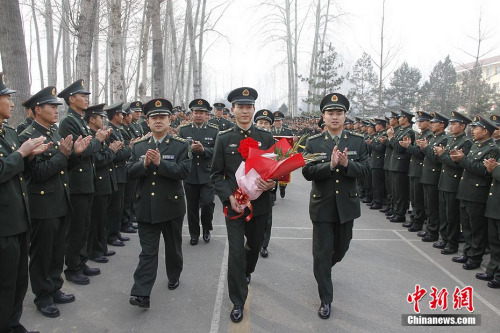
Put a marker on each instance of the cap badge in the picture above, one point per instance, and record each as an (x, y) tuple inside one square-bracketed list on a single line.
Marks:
[(420, 113), (54, 91), (335, 98), (453, 113), (83, 85), (200, 102), (3, 79), (158, 104), (137, 104), (264, 113), (494, 118), (245, 92), (476, 118)]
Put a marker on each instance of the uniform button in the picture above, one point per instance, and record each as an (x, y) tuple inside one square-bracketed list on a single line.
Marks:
[(491, 193), (337, 170), (336, 192), (232, 152), (110, 169), (455, 176), (153, 183), (152, 194), (433, 170), (337, 181), (50, 154), (154, 173), (443, 170), (80, 170), (62, 172), (24, 194), (42, 192), (314, 195), (65, 184), (21, 178), (461, 177), (197, 163), (100, 177), (176, 197), (198, 156), (477, 185)]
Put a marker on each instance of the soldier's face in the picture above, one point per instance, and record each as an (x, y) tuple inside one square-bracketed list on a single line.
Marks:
[(393, 122), (79, 101), (437, 127), (199, 117), (29, 113), (6, 106), (278, 123), (97, 121), (218, 112), (127, 119), (159, 124), (379, 127), (47, 114), (480, 133), (136, 115), (423, 125), (262, 123), (456, 127), (243, 113), (334, 119), (496, 134)]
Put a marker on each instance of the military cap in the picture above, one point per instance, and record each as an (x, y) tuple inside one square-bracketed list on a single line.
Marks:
[(423, 116), (264, 114), (485, 123), (495, 119), (458, 117), (334, 101), (321, 123), (200, 104), (226, 111), (136, 106), (394, 114), (95, 110), (406, 114), (365, 122), (348, 121), (219, 106), (243, 95), (157, 107), (126, 108), (45, 96), (438, 118), (380, 121), (278, 115), (3, 88), (77, 87), (387, 119), (357, 119), (114, 108)]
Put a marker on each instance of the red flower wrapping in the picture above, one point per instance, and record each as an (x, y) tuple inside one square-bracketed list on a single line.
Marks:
[(245, 146), (242, 200)]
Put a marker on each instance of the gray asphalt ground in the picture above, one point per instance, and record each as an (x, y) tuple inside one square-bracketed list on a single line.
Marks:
[(371, 284)]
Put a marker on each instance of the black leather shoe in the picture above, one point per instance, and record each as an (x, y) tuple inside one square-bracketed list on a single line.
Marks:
[(407, 224), (61, 298), (422, 233), (133, 218), (173, 284), (128, 229), (77, 278), (494, 283), (249, 278), (448, 250), (484, 276), (461, 259), (134, 226), (389, 213), (429, 238), (263, 252), (376, 206), (109, 253), (470, 265), (117, 242), (193, 241), (123, 238), (206, 236), (415, 227), (397, 219), (385, 210), (324, 311), (50, 311), (101, 259), (88, 271), (236, 313), (282, 192), (140, 301), (439, 245)]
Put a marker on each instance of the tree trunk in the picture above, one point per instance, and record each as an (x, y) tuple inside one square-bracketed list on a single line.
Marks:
[(289, 53), (49, 31), (200, 47), (193, 60), (144, 57), (116, 55), (38, 48), (14, 56), (314, 57), (381, 67), (179, 64), (85, 36), (157, 39), (95, 62), (66, 43)]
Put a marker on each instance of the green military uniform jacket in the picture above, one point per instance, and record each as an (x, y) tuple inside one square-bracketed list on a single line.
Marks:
[(400, 159), (431, 168), (334, 193), (14, 202), (105, 183), (22, 126), (417, 155), (136, 129), (450, 171), (127, 134), (475, 181), (160, 194), (388, 152), (202, 161), (122, 155), (81, 167), (281, 132), (492, 210), (48, 183), (222, 123), (227, 159), (378, 151)]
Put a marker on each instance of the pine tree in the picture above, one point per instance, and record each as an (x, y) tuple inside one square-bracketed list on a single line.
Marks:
[(363, 95), (440, 92), (404, 88), (476, 95)]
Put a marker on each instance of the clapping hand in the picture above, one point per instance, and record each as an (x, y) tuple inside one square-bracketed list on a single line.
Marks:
[(490, 164), (405, 143), (456, 155)]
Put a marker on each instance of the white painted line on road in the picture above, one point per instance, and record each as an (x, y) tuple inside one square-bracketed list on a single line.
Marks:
[(453, 277), (310, 228), (310, 238), (214, 327)]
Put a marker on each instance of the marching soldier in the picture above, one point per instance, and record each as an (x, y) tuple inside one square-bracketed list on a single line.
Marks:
[(431, 170), (159, 163), (388, 165), (48, 184), (334, 203), (15, 215), (377, 164), (473, 191), (199, 189), (449, 205), (219, 120), (81, 179), (242, 257)]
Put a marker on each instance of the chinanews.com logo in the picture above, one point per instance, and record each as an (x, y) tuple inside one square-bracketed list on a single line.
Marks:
[(462, 299)]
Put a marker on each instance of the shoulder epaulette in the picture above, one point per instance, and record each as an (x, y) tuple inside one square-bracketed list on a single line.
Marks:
[(225, 131), (143, 139), (213, 126), (315, 136), (186, 125), (178, 138), (262, 129), (356, 134), (8, 126)]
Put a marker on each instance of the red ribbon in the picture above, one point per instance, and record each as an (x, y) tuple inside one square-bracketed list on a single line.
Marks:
[(241, 199)]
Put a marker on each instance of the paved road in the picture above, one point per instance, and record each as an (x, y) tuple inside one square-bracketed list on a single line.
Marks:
[(371, 284)]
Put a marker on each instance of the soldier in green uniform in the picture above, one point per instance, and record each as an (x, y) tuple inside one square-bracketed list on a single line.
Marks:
[(29, 119), (105, 185), (135, 125), (242, 257), (449, 205), (81, 179), (431, 170), (377, 164), (279, 130), (369, 134), (219, 120), (473, 191), (159, 163), (334, 201), (48, 183), (199, 189), (496, 135), (388, 168), (349, 124)]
